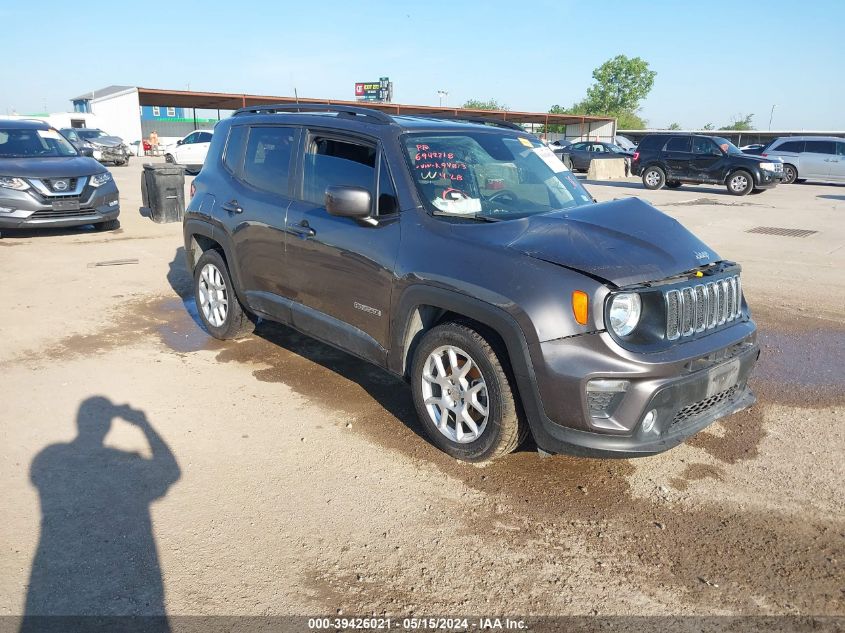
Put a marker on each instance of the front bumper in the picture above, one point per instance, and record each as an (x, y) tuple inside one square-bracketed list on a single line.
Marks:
[(29, 209), (684, 387), (767, 179)]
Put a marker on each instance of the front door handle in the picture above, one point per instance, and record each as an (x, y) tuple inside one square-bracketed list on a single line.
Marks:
[(232, 207), (302, 229)]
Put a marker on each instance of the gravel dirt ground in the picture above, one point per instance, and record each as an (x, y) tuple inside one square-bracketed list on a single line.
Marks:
[(275, 476)]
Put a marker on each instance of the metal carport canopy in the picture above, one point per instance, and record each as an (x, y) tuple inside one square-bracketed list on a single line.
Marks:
[(233, 101)]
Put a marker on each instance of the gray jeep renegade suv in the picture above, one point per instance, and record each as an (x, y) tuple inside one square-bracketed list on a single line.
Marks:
[(45, 181), (467, 259)]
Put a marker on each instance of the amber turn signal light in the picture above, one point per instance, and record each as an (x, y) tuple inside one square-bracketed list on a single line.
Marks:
[(580, 306)]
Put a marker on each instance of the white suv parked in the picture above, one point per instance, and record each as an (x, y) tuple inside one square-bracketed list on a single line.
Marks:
[(190, 152), (809, 158)]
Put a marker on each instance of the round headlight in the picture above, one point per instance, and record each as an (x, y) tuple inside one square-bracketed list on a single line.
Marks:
[(625, 310)]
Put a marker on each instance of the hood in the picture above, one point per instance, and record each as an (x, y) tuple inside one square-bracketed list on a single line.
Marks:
[(62, 166), (108, 141), (624, 242)]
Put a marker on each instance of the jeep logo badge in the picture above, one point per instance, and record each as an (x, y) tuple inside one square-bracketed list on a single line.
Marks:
[(60, 185)]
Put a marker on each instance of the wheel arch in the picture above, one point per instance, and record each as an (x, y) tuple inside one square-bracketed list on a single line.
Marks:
[(200, 237)]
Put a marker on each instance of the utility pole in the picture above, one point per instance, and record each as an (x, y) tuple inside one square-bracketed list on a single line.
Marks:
[(771, 114), (442, 94)]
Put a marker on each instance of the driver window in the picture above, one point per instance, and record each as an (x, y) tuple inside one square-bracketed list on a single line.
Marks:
[(331, 162), (704, 146)]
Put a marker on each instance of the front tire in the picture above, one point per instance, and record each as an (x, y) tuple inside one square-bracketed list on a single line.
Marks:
[(108, 225), (740, 183), (168, 158), (654, 178), (463, 395), (218, 306), (790, 174)]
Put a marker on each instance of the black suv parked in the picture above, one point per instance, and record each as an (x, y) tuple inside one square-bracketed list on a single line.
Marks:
[(672, 159), (467, 259)]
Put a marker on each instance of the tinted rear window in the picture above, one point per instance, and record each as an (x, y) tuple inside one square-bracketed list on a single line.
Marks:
[(820, 147), (652, 142), (678, 144), (267, 159)]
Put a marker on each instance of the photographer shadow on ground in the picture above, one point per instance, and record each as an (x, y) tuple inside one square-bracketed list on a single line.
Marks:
[(96, 553)]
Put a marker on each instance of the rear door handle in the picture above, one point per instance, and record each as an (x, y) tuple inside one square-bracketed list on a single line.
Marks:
[(302, 229), (232, 207)]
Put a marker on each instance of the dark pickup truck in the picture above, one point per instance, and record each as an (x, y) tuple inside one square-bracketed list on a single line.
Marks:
[(466, 258)]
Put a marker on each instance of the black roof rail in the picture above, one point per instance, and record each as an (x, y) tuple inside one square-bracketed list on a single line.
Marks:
[(342, 110), (474, 118)]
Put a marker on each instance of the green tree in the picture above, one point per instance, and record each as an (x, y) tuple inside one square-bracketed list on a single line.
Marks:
[(490, 104), (740, 123), (629, 121), (620, 85), (708, 126), (674, 126)]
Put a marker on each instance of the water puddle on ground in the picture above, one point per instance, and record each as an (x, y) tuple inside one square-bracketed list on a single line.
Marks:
[(181, 329)]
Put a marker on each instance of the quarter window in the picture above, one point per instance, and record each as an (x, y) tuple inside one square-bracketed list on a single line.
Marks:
[(840, 149), (267, 159), (233, 156), (678, 144), (821, 147), (330, 162)]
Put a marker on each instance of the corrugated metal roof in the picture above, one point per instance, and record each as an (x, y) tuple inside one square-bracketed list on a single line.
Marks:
[(102, 92)]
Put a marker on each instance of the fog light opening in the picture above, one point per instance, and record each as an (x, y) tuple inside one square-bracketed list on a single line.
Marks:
[(649, 420)]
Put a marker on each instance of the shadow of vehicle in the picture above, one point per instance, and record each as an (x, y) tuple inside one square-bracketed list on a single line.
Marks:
[(84, 229), (97, 555), (831, 197)]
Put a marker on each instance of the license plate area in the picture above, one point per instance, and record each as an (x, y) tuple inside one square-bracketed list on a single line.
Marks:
[(65, 205), (723, 377)]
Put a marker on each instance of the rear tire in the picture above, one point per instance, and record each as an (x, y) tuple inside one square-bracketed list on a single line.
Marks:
[(168, 158), (740, 183), (790, 174), (654, 178), (673, 184), (446, 393), (217, 304)]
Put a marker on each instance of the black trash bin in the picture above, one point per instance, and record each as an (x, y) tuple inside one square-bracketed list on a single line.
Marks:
[(163, 192)]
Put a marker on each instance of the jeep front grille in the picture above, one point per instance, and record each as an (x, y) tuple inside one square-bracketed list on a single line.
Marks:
[(701, 307)]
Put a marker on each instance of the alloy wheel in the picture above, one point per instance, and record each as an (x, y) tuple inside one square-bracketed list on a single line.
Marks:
[(455, 394), (213, 295), (739, 183), (652, 178)]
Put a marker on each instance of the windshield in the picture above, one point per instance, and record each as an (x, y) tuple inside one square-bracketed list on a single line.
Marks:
[(23, 143), (490, 175), (726, 146), (91, 133)]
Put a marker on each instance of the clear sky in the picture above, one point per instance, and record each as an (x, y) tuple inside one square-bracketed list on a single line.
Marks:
[(714, 59)]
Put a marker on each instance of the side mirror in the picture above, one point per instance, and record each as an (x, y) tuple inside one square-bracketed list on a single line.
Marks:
[(348, 202), (179, 142), (86, 151)]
